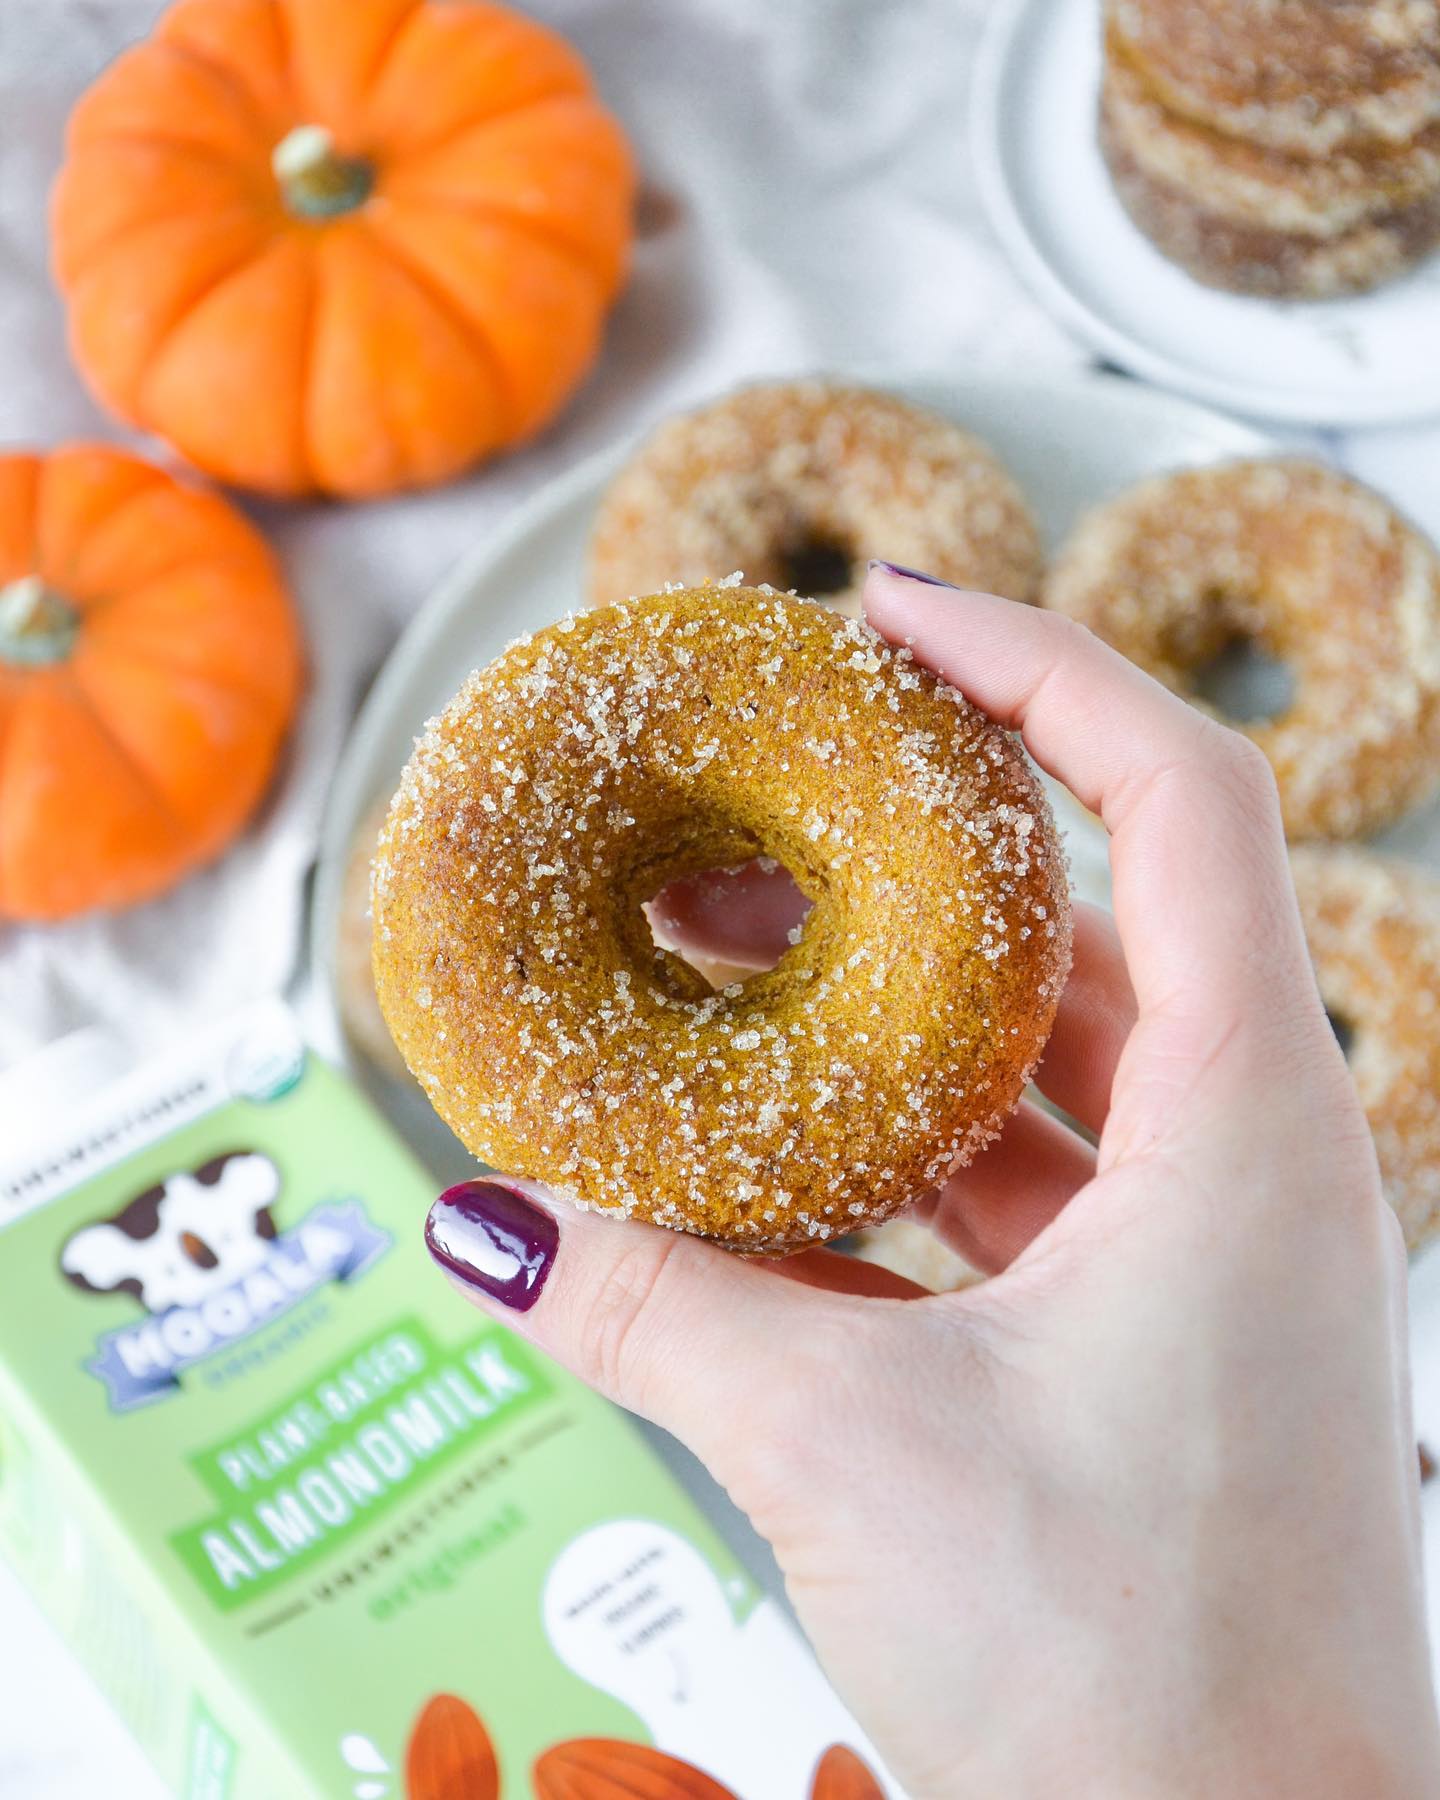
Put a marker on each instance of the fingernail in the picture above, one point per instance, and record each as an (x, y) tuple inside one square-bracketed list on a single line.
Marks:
[(914, 575), (494, 1240)]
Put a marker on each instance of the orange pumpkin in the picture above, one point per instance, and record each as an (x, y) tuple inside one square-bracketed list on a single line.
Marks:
[(344, 246), (149, 664)]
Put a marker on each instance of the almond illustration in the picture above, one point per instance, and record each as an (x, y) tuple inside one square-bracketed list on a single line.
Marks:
[(842, 1775), (601, 1769), (450, 1756)]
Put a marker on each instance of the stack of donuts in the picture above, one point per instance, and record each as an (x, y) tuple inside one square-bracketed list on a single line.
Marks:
[(1277, 147)]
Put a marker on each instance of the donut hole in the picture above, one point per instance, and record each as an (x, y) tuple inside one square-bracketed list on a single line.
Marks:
[(1244, 682), (1344, 1031), (746, 917), (815, 565)]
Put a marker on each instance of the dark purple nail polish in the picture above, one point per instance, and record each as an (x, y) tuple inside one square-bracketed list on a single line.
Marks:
[(913, 575), (493, 1239)]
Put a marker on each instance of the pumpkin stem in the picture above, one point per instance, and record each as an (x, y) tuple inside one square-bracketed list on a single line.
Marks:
[(37, 625), (317, 182)]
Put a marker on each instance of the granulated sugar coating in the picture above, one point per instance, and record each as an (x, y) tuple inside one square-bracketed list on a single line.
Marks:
[(1255, 220), (1374, 933), (1244, 257), (1247, 184), (1293, 74), (623, 748), (780, 478), (1312, 569)]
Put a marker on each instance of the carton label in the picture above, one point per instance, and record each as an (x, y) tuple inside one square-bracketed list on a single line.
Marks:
[(210, 1758), (200, 1251)]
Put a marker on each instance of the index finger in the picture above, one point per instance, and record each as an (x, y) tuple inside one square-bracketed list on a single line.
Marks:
[(1202, 892)]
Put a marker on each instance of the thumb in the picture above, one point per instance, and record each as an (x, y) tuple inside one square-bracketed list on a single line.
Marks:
[(690, 1336), (742, 916)]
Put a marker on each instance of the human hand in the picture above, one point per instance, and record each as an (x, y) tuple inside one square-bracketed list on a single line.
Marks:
[(1139, 1515)]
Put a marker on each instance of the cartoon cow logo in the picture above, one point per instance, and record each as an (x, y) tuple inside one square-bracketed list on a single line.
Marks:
[(197, 1232)]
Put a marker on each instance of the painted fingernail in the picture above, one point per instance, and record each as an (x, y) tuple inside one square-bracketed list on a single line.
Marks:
[(493, 1239), (914, 575)]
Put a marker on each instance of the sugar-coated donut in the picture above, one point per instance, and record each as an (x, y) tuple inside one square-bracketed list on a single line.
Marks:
[(1255, 220), (1374, 933), (354, 959), (799, 484), (1252, 184), (1292, 74), (1314, 570), (623, 748)]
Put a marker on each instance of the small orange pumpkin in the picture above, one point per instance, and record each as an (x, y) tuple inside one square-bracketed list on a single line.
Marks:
[(149, 664), (344, 246)]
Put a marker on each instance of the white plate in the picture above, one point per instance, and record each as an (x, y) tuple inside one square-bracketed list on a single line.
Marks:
[(1373, 359), (1070, 442)]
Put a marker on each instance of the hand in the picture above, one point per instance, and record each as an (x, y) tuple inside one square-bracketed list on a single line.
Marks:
[(1139, 1515)]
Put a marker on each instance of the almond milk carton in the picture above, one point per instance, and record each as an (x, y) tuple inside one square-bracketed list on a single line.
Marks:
[(320, 1529)]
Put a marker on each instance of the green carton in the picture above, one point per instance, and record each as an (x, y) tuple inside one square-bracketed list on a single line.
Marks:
[(317, 1527)]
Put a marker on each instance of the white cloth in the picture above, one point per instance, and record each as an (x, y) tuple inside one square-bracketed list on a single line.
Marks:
[(812, 206)]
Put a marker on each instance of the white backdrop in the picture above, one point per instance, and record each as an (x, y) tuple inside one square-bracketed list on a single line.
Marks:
[(808, 204)]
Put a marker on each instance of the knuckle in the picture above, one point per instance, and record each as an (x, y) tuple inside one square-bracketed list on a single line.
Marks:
[(797, 1423), (617, 1322), (1245, 765), (1071, 636)]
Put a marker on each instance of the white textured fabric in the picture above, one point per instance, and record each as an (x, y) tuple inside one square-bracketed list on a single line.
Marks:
[(812, 206)]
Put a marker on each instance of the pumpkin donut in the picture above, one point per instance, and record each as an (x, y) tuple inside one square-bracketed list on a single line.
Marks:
[(799, 484), (1374, 933), (1311, 569), (354, 960), (1251, 184), (1290, 74), (1253, 220), (626, 747)]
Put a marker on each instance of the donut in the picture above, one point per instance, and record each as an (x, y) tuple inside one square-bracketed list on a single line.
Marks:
[(628, 746), (1374, 932), (1312, 570), (1290, 74), (1249, 184), (1253, 220), (799, 484), (358, 1005), (354, 975), (1244, 258)]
